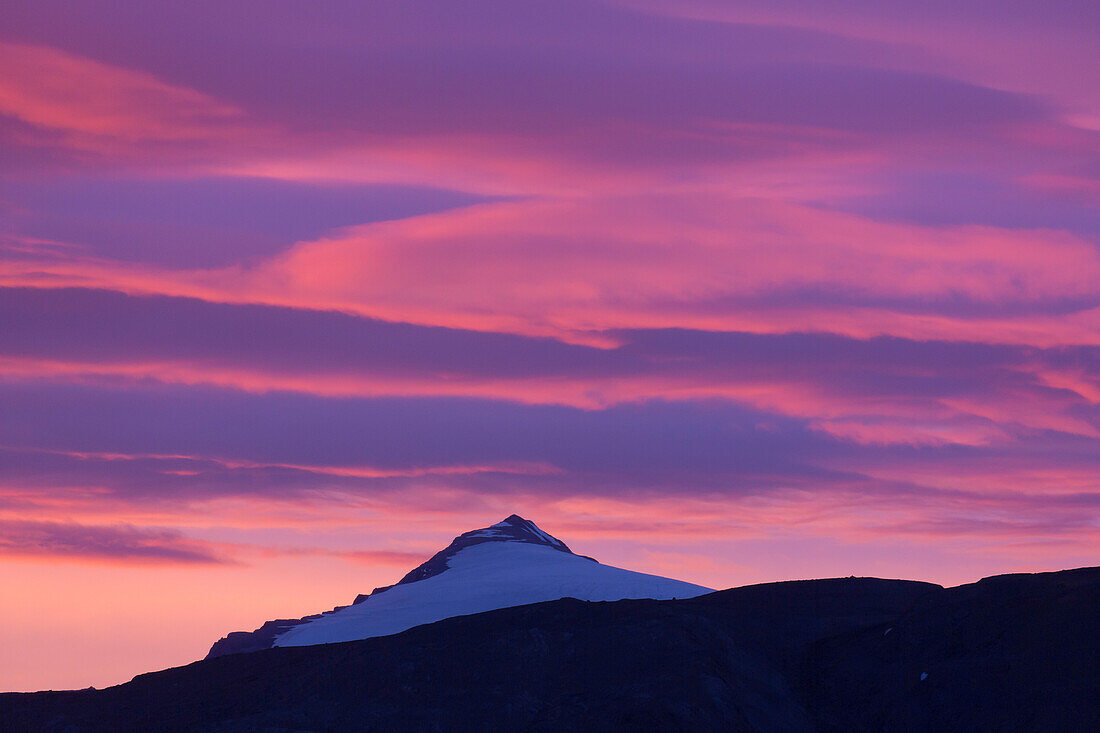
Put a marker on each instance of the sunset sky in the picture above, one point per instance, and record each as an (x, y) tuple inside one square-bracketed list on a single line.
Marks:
[(291, 293)]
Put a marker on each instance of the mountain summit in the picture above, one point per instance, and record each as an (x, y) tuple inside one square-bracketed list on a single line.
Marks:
[(510, 563), (513, 529)]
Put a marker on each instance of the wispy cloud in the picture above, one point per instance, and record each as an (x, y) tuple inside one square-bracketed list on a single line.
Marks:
[(116, 543)]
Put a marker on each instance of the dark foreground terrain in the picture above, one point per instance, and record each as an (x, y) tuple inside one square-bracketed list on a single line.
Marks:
[(1009, 653)]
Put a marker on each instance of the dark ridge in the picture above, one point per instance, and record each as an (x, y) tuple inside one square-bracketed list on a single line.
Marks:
[(1016, 652), (238, 642)]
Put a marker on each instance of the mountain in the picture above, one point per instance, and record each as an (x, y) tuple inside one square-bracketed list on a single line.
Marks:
[(510, 563), (1008, 653)]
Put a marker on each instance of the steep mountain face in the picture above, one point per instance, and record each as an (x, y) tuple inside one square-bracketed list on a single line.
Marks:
[(510, 563), (1010, 653)]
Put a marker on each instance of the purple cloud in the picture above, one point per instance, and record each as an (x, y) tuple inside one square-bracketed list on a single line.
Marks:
[(961, 198), (117, 543), (292, 439), (103, 327), (587, 81), (204, 222)]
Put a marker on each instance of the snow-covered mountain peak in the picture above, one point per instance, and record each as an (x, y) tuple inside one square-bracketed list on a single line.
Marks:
[(510, 563)]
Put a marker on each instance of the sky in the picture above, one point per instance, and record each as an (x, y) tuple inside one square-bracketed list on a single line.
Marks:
[(291, 293)]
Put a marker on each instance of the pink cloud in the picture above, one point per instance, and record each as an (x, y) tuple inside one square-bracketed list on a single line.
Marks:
[(101, 107), (576, 265)]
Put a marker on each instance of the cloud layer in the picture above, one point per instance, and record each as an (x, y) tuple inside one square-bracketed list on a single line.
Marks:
[(730, 291)]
